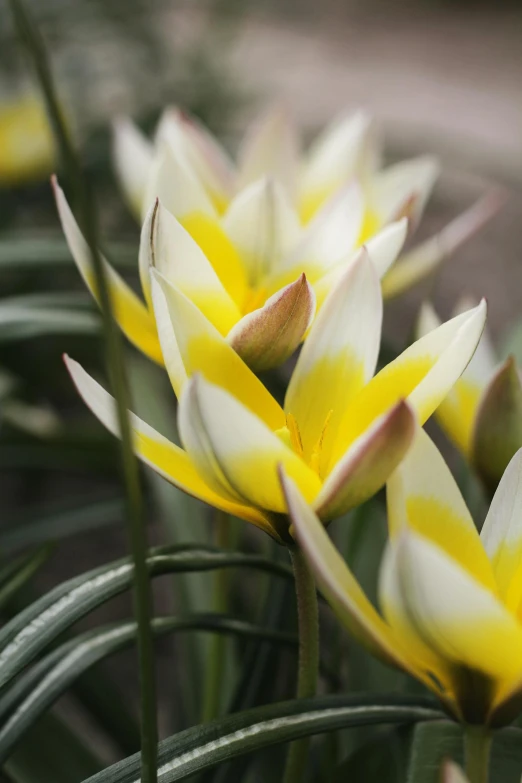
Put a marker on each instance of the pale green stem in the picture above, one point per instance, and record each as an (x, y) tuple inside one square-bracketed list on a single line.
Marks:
[(308, 665), (215, 669), (477, 747)]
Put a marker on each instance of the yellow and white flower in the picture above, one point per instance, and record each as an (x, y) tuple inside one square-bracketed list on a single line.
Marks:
[(341, 431), (450, 599), (27, 150), (197, 181), (482, 414)]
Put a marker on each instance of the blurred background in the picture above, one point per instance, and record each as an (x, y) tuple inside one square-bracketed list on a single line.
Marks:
[(441, 76)]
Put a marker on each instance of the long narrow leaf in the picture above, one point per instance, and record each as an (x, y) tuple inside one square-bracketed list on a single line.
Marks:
[(207, 745), (39, 689), (49, 524), (25, 568), (47, 251), (27, 634)]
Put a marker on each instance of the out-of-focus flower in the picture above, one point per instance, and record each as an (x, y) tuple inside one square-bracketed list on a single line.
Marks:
[(27, 151), (450, 599), (340, 433), (262, 300), (198, 183), (452, 773), (482, 414)]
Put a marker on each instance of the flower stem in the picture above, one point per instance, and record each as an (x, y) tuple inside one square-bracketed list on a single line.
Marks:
[(33, 41), (217, 647), (477, 747), (308, 666)]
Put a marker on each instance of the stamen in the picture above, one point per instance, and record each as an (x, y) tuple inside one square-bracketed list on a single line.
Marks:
[(295, 435), (317, 449)]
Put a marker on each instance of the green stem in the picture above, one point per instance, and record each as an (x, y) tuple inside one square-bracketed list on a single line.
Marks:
[(217, 646), (34, 43), (308, 665), (477, 747)]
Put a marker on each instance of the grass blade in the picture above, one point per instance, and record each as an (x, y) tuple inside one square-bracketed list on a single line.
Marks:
[(27, 634), (38, 689), (204, 746)]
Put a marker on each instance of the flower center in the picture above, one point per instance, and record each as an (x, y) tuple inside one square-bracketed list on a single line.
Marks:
[(291, 435)]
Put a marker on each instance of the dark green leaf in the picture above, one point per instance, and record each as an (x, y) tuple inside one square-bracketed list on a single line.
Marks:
[(19, 322), (443, 739), (38, 689), (51, 753), (21, 571), (35, 527), (204, 746), (33, 253), (27, 634)]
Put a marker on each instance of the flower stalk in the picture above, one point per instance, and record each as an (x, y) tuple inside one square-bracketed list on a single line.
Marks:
[(308, 665), (477, 748), (34, 44)]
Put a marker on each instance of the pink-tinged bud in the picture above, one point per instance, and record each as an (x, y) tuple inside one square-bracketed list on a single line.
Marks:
[(266, 337), (498, 426)]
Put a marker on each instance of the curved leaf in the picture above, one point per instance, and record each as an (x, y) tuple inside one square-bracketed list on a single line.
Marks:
[(203, 746), (21, 321), (33, 253), (39, 688), (27, 634)]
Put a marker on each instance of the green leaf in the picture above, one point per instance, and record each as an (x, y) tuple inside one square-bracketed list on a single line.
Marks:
[(20, 322), (443, 739), (221, 740), (51, 753), (58, 522), (37, 252), (383, 758), (15, 575), (27, 634), (38, 689)]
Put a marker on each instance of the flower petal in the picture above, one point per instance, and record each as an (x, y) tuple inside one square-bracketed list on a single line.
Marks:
[(266, 337), (409, 182), (423, 374), (423, 259), (330, 236), (334, 578), (423, 496), (176, 185), (167, 246), (453, 614), (367, 464), (133, 155), (263, 226), (502, 533), (204, 153), (382, 248), (457, 412), (497, 432), (270, 148), (167, 459), (452, 773), (333, 160), (201, 348), (235, 452), (337, 359), (131, 314)]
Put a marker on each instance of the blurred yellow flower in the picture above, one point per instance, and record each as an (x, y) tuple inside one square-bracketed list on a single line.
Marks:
[(27, 151), (482, 414), (450, 599), (340, 432)]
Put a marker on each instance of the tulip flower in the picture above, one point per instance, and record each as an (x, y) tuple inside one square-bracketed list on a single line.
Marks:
[(27, 150), (450, 598), (264, 311), (212, 197), (341, 431), (482, 414)]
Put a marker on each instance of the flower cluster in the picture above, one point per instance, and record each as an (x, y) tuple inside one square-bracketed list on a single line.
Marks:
[(242, 262)]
